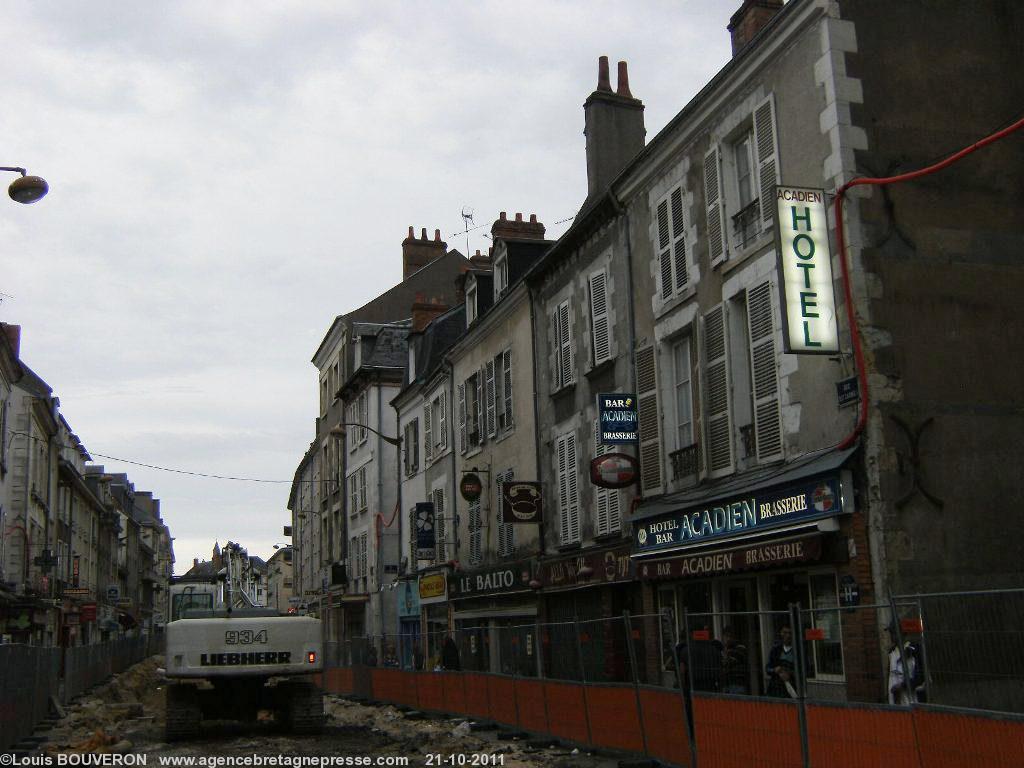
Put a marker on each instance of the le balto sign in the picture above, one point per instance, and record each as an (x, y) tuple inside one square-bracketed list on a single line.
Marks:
[(760, 511)]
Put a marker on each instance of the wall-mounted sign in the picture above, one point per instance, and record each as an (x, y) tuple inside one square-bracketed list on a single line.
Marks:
[(613, 470), (732, 517), (589, 568), (113, 593), (88, 612), (805, 272), (471, 487), (765, 555), (408, 600), (617, 414), (423, 519), (433, 587), (849, 591), (521, 502), (76, 592), (848, 391), (513, 577)]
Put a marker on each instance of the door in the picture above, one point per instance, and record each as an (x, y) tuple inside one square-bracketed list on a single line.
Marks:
[(739, 632)]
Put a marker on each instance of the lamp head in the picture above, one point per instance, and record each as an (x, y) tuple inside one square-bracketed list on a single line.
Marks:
[(28, 189)]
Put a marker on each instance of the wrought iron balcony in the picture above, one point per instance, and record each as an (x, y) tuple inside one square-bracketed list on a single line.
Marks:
[(746, 224), (684, 462)]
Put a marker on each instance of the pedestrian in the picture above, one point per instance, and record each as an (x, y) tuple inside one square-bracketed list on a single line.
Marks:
[(901, 690), (735, 672), (450, 655), (781, 667)]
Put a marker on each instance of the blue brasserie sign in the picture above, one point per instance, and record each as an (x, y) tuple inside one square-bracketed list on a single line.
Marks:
[(617, 413), (772, 508)]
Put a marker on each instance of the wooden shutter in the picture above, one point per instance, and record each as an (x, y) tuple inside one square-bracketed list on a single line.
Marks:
[(362, 488), (574, 495), (462, 418), (507, 377), (764, 372), (648, 421), (665, 249), (599, 317), (506, 534), (478, 411), (766, 141), (440, 528), (607, 514), (566, 372), (428, 433), (682, 273), (717, 390), (442, 420), (556, 377), (568, 489), (475, 533), (713, 200), (490, 403)]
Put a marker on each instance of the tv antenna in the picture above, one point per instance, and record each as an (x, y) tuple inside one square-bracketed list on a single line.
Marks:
[(467, 220)]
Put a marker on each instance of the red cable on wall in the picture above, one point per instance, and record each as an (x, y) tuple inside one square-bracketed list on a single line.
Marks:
[(858, 352)]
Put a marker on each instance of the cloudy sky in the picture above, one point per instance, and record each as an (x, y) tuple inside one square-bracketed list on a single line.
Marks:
[(227, 177)]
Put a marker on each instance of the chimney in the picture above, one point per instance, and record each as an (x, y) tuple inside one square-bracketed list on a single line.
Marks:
[(614, 127), (13, 333), (423, 312), (750, 19), (518, 228), (418, 252), (480, 260), (195, 562)]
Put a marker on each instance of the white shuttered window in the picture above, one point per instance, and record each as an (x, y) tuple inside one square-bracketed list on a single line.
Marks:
[(764, 372), (600, 321), (606, 500), (714, 203), (648, 421), (568, 488), (565, 365), (671, 245), (767, 150), (717, 390), (506, 531)]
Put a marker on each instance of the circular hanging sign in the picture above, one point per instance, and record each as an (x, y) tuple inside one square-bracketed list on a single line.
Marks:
[(471, 487), (613, 470)]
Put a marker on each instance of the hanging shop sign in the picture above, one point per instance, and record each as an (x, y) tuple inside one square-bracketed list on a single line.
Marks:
[(433, 587), (423, 518), (513, 577), (732, 517), (617, 415), (765, 555), (613, 470), (521, 502), (471, 487), (805, 272), (587, 569)]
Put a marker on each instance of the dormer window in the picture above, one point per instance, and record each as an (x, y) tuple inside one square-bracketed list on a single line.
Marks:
[(471, 312), (500, 275)]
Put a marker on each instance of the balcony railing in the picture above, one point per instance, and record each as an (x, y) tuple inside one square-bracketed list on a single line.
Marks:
[(746, 224), (684, 462)]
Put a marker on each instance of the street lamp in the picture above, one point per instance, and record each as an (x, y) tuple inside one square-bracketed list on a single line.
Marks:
[(339, 432), (27, 189)]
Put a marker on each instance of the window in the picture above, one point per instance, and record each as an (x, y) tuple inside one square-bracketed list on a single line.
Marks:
[(470, 302), (361, 416), (606, 500), (682, 395), (717, 379), (411, 447), (471, 412), (324, 385), (648, 421), (565, 363), (600, 324), (671, 245), (506, 531), (491, 405), (357, 491), (764, 377), (505, 416), (568, 488), (500, 275), (435, 426)]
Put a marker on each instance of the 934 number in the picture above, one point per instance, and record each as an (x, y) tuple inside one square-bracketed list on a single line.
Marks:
[(244, 637)]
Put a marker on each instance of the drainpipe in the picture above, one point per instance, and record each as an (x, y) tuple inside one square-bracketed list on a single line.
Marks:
[(379, 519)]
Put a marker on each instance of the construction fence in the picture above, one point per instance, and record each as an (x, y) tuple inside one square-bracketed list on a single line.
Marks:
[(30, 676), (922, 680)]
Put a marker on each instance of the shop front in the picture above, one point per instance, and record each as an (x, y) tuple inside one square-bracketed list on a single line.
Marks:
[(433, 595), (409, 651), (731, 566), (585, 597), (494, 610)]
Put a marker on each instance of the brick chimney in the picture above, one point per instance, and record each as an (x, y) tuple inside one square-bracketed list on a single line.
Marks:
[(750, 19), (423, 311), (517, 228), (480, 260), (13, 333), (614, 127), (195, 562), (418, 252)]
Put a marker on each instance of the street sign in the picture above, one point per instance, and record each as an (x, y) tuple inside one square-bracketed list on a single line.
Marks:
[(847, 391)]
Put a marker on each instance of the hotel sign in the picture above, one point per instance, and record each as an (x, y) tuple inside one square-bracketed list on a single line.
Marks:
[(731, 560), (805, 272), (773, 508)]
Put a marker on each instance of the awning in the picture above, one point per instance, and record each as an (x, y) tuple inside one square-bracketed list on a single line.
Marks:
[(751, 482)]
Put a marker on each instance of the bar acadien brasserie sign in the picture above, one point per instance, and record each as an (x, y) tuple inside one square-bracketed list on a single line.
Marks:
[(773, 508)]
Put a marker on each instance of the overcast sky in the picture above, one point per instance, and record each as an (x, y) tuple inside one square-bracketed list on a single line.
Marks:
[(227, 177)]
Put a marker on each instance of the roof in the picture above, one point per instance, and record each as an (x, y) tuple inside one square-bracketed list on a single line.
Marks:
[(432, 343), (809, 465), (205, 568)]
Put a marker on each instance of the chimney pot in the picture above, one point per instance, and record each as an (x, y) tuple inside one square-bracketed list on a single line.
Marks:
[(412, 233), (503, 216), (623, 89), (13, 333), (603, 80), (195, 562), (437, 235), (751, 18), (423, 233), (519, 217), (533, 218)]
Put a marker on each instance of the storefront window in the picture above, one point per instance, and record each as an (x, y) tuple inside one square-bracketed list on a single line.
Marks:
[(828, 653)]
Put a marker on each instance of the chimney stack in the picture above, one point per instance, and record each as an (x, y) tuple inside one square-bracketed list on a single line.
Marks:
[(418, 252), (195, 562), (423, 311), (614, 127), (750, 19), (13, 333), (517, 229)]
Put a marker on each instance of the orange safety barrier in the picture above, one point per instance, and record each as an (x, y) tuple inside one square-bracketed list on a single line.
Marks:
[(739, 733), (431, 692), (948, 739), (454, 688), (387, 684), (477, 702), (663, 717), (856, 736), (567, 717), (502, 697), (614, 721), (531, 705)]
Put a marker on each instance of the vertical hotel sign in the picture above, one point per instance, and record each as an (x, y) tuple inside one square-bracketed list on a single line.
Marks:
[(805, 266)]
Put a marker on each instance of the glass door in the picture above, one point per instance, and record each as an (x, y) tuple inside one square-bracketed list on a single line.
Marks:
[(739, 633)]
